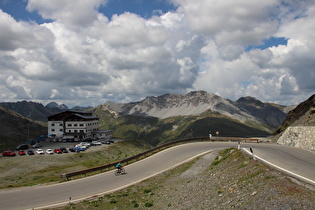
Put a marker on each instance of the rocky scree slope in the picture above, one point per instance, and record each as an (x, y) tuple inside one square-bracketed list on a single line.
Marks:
[(298, 129), (302, 115)]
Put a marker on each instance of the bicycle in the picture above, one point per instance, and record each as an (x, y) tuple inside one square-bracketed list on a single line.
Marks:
[(120, 171)]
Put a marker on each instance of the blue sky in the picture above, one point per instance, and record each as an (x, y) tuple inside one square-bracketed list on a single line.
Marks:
[(89, 52), (144, 8)]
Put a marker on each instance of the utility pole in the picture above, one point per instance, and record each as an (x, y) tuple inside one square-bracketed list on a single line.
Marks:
[(28, 132)]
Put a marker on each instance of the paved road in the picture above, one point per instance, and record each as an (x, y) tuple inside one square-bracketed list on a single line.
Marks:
[(299, 161)]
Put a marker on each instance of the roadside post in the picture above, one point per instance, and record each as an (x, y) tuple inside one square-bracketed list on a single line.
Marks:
[(239, 145), (251, 150)]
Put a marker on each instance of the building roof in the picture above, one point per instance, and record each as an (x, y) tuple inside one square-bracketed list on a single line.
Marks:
[(79, 116), (69, 114)]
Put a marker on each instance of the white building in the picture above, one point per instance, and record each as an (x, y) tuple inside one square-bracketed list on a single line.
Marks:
[(72, 124)]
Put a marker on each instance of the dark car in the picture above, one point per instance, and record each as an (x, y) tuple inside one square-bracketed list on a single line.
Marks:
[(21, 152), (64, 150), (8, 153), (105, 142), (76, 149), (22, 147), (30, 152)]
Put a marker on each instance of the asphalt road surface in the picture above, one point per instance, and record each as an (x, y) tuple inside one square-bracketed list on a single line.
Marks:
[(295, 161)]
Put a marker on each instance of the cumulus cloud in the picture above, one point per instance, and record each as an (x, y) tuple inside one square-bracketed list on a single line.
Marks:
[(80, 13), (21, 34), (80, 57)]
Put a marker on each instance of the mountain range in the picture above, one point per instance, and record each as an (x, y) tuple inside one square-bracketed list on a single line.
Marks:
[(197, 102), (158, 119), (198, 113)]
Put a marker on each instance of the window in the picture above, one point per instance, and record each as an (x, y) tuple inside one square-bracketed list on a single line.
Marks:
[(52, 124), (61, 130), (75, 125), (60, 124), (69, 125), (52, 129)]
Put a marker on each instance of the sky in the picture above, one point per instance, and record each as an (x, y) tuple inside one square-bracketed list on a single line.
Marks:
[(88, 52)]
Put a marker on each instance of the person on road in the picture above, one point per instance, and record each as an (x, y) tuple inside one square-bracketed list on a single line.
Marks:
[(118, 166)]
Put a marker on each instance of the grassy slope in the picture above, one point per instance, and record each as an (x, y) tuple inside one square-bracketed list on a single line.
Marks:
[(15, 129), (33, 170)]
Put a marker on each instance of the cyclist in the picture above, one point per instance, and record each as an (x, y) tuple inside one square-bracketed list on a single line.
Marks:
[(118, 166)]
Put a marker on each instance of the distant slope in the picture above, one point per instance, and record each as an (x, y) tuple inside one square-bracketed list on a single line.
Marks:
[(15, 129), (302, 115), (32, 110), (264, 112)]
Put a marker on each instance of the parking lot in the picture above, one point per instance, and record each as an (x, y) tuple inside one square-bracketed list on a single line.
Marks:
[(53, 145)]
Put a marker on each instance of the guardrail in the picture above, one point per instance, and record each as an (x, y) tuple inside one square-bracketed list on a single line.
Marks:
[(150, 152)]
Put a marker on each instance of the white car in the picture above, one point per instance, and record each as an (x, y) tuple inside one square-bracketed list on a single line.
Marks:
[(96, 143), (85, 144), (81, 146), (40, 151), (49, 151)]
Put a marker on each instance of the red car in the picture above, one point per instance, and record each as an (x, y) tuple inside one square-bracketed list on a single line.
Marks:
[(8, 153), (58, 151), (21, 152)]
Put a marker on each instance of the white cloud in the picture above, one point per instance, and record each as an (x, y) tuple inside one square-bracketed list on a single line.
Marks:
[(83, 58), (81, 13), (21, 34)]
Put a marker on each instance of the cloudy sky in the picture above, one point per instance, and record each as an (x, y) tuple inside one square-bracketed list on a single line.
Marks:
[(87, 52)]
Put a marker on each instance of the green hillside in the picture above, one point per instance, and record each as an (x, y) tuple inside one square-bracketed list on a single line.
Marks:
[(15, 129), (156, 131)]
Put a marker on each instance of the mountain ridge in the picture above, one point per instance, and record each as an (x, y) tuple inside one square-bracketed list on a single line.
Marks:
[(197, 102)]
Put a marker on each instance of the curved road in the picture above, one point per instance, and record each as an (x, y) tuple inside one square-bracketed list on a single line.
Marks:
[(291, 160)]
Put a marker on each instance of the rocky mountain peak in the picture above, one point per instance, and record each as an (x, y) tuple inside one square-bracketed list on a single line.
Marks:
[(53, 105), (250, 101)]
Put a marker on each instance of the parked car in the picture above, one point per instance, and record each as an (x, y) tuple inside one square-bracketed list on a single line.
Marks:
[(111, 141), (72, 149), (8, 153), (21, 152), (76, 149), (58, 151), (49, 151), (81, 146), (105, 142), (85, 144), (22, 147), (40, 151), (30, 152), (96, 143), (64, 150), (37, 145)]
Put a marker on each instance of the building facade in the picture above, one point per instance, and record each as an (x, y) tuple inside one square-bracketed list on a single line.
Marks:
[(72, 124)]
